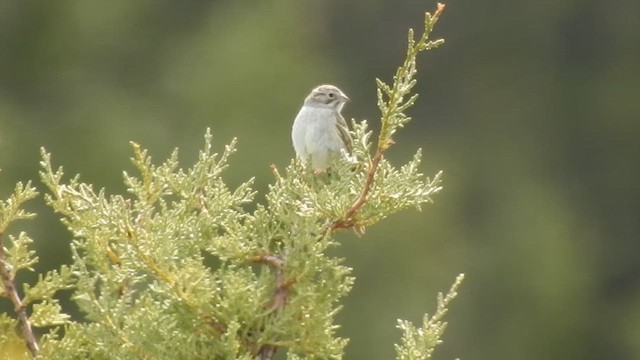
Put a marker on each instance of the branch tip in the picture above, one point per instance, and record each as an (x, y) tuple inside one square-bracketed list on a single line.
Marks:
[(439, 11)]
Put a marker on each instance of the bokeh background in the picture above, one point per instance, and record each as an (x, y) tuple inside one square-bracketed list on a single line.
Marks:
[(531, 108)]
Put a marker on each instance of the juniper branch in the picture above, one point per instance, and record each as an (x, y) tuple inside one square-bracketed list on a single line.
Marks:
[(10, 291), (393, 111), (10, 210)]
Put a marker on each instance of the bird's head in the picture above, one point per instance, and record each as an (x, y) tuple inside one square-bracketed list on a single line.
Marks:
[(327, 96)]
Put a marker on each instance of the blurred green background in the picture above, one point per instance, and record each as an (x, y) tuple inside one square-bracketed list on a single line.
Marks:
[(531, 108)]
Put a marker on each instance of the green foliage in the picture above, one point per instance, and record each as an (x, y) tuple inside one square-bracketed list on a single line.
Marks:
[(391, 99), (179, 268), (419, 343), (16, 256)]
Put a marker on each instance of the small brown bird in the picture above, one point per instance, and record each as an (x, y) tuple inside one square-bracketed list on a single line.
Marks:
[(319, 131)]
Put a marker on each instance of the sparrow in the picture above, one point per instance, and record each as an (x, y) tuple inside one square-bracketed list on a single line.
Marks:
[(319, 130)]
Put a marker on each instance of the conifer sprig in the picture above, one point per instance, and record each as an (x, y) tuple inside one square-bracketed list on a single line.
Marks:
[(392, 105)]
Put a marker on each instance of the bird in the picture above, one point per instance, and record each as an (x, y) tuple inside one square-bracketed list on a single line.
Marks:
[(319, 131)]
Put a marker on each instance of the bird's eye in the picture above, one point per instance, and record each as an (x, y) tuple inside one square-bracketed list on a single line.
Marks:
[(330, 95)]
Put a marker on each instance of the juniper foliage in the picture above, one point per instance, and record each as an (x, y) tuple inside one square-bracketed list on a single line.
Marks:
[(139, 272)]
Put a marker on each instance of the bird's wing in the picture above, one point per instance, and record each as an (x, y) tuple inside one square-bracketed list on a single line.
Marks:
[(343, 131)]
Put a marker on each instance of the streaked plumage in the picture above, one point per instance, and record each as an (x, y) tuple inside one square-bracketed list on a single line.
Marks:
[(319, 130)]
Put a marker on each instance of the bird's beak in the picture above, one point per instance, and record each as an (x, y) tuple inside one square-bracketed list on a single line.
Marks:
[(344, 98)]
